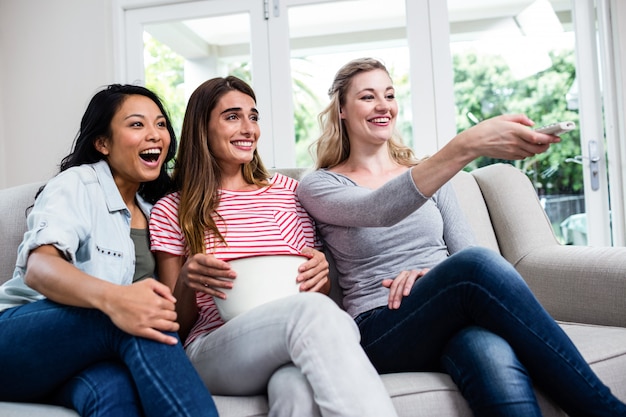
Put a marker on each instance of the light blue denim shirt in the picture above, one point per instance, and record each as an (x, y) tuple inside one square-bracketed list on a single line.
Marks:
[(81, 213)]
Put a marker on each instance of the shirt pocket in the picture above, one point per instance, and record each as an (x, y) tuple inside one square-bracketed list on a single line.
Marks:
[(108, 263), (291, 229)]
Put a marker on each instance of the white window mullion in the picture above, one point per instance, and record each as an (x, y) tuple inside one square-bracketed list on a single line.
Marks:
[(591, 125), (262, 84), (432, 90), (283, 134), (613, 85)]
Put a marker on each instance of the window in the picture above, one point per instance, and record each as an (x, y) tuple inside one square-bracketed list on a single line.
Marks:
[(291, 49)]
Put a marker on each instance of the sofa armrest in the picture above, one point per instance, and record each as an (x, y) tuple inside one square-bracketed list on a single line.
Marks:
[(580, 284), (575, 283)]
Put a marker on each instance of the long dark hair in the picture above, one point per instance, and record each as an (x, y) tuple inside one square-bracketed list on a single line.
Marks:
[(96, 123)]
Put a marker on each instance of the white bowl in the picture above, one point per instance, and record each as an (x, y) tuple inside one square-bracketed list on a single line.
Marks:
[(260, 279)]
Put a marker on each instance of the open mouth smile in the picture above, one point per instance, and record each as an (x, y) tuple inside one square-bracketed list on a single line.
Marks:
[(150, 155)]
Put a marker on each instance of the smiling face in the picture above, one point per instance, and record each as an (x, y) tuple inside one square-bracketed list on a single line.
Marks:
[(234, 130), (138, 144), (369, 110)]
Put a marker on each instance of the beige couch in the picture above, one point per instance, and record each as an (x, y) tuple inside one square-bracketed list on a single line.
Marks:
[(583, 287)]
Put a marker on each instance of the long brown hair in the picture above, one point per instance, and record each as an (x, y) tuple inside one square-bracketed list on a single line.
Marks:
[(333, 146), (197, 174)]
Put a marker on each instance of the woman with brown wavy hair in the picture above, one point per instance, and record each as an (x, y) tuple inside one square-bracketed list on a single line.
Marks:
[(302, 350)]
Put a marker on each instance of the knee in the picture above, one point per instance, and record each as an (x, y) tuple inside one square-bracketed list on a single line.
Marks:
[(480, 255), (486, 264), (317, 310), (314, 304)]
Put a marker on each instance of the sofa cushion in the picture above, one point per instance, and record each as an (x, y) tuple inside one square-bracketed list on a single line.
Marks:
[(578, 283), (417, 394), (604, 348), (34, 410)]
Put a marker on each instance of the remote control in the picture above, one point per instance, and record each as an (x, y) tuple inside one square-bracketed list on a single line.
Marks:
[(557, 129)]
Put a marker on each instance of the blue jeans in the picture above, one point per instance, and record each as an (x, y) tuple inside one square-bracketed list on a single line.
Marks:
[(477, 287), (45, 346), (103, 389), (489, 374)]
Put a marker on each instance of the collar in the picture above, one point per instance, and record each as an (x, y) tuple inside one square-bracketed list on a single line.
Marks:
[(112, 194)]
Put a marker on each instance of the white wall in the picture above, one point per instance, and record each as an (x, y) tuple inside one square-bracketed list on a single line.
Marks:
[(54, 54)]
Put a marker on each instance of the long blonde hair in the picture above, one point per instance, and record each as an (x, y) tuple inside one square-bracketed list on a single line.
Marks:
[(197, 174), (333, 146)]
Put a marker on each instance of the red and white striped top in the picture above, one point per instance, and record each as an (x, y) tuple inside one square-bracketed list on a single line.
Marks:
[(268, 221)]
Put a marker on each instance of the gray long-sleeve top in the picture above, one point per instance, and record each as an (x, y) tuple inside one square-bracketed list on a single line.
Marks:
[(375, 234)]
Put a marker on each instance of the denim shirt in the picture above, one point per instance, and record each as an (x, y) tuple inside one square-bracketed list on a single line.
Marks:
[(82, 214)]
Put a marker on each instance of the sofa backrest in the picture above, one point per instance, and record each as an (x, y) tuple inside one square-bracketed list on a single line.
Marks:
[(14, 203), (475, 209), (520, 223)]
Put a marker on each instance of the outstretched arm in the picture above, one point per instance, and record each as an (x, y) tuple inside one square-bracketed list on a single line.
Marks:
[(502, 137), (331, 198)]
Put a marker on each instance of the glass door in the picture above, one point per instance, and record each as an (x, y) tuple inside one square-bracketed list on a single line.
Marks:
[(173, 48), (291, 49), (538, 57), (534, 57)]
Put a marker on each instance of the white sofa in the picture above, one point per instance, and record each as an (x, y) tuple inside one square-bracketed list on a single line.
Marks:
[(582, 287)]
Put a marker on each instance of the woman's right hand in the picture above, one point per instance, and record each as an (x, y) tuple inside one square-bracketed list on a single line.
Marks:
[(207, 274), (401, 286), (145, 308), (505, 137)]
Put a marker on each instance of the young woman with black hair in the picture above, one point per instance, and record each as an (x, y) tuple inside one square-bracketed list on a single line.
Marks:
[(84, 324)]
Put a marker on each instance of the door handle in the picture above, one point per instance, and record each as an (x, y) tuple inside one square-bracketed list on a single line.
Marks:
[(594, 165)]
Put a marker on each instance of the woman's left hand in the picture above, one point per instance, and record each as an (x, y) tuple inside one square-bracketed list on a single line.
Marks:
[(401, 286), (313, 274)]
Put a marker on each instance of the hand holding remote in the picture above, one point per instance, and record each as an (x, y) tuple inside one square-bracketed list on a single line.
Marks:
[(557, 129)]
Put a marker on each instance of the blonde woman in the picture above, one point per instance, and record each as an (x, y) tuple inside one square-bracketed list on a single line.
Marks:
[(424, 296)]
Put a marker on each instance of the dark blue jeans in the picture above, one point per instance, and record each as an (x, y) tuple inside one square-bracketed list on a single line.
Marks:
[(104, 389), (489, 374), (54, 352), (475, 299)]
